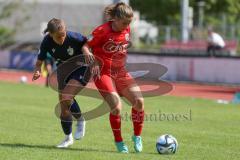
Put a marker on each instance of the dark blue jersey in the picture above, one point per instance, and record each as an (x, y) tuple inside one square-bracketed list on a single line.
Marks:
[(71, 47)]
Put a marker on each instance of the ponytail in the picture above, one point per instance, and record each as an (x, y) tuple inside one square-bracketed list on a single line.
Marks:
[(54, 25)]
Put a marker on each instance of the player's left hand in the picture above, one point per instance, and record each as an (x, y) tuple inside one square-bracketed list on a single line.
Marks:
[(36, 75), (95, 70)]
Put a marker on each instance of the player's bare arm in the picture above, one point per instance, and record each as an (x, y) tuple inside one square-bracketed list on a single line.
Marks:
[(37, 70), (89, 57)]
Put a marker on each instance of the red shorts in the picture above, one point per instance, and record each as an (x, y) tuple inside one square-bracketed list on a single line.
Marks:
[(113, 81)]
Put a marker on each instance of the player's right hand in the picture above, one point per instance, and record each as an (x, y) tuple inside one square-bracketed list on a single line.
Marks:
[(36, 75), (89, 58)]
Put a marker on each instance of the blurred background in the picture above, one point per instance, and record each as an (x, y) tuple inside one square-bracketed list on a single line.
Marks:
[(173, 33)]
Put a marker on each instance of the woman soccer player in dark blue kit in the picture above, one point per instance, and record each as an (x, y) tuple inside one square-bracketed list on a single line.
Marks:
[(64, 46)]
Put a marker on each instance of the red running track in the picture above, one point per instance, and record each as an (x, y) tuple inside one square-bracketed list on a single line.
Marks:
[(179, 89)]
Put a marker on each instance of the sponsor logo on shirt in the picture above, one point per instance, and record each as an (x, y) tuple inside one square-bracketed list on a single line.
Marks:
[(112, 47)]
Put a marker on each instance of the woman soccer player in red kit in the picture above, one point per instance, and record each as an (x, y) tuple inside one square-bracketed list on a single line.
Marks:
[(109, 43)]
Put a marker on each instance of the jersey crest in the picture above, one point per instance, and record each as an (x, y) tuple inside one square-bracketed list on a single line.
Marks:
[(70, 51), (127, 37)]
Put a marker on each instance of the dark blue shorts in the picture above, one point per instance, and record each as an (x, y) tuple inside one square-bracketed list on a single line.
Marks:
[(82, 75)]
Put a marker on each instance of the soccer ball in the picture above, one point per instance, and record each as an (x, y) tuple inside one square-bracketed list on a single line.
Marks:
[(23, 79), (166, 144)]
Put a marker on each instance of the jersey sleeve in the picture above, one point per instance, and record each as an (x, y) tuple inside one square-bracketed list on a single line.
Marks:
[(42, 55), (80, 38), (96, 37)]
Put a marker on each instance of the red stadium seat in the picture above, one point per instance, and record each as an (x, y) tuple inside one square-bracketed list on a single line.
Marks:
[(201, 45)]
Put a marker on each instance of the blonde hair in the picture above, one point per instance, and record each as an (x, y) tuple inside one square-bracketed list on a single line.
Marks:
[(119, 10)]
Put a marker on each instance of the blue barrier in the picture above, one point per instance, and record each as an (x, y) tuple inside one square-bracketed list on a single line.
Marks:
[(22, 60)]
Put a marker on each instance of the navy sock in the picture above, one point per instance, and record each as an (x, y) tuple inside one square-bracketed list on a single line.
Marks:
[(66, 125), (75, 110)]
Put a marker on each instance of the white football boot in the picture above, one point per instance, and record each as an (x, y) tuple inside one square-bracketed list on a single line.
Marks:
[(68, 141), (80, 130)]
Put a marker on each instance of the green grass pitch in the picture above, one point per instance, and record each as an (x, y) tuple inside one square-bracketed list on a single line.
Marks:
[(29, 129)]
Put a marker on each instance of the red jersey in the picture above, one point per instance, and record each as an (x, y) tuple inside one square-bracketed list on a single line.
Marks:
[(108, 46)]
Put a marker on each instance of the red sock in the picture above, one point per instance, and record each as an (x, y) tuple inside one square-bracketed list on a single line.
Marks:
[(137, 119), (115, 122)]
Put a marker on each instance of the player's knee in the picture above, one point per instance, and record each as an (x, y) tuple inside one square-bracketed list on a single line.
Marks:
[(65, 113), (116, 111), (116, 108), (65, 104), (66, 97), (139, 103), (114, 103)]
